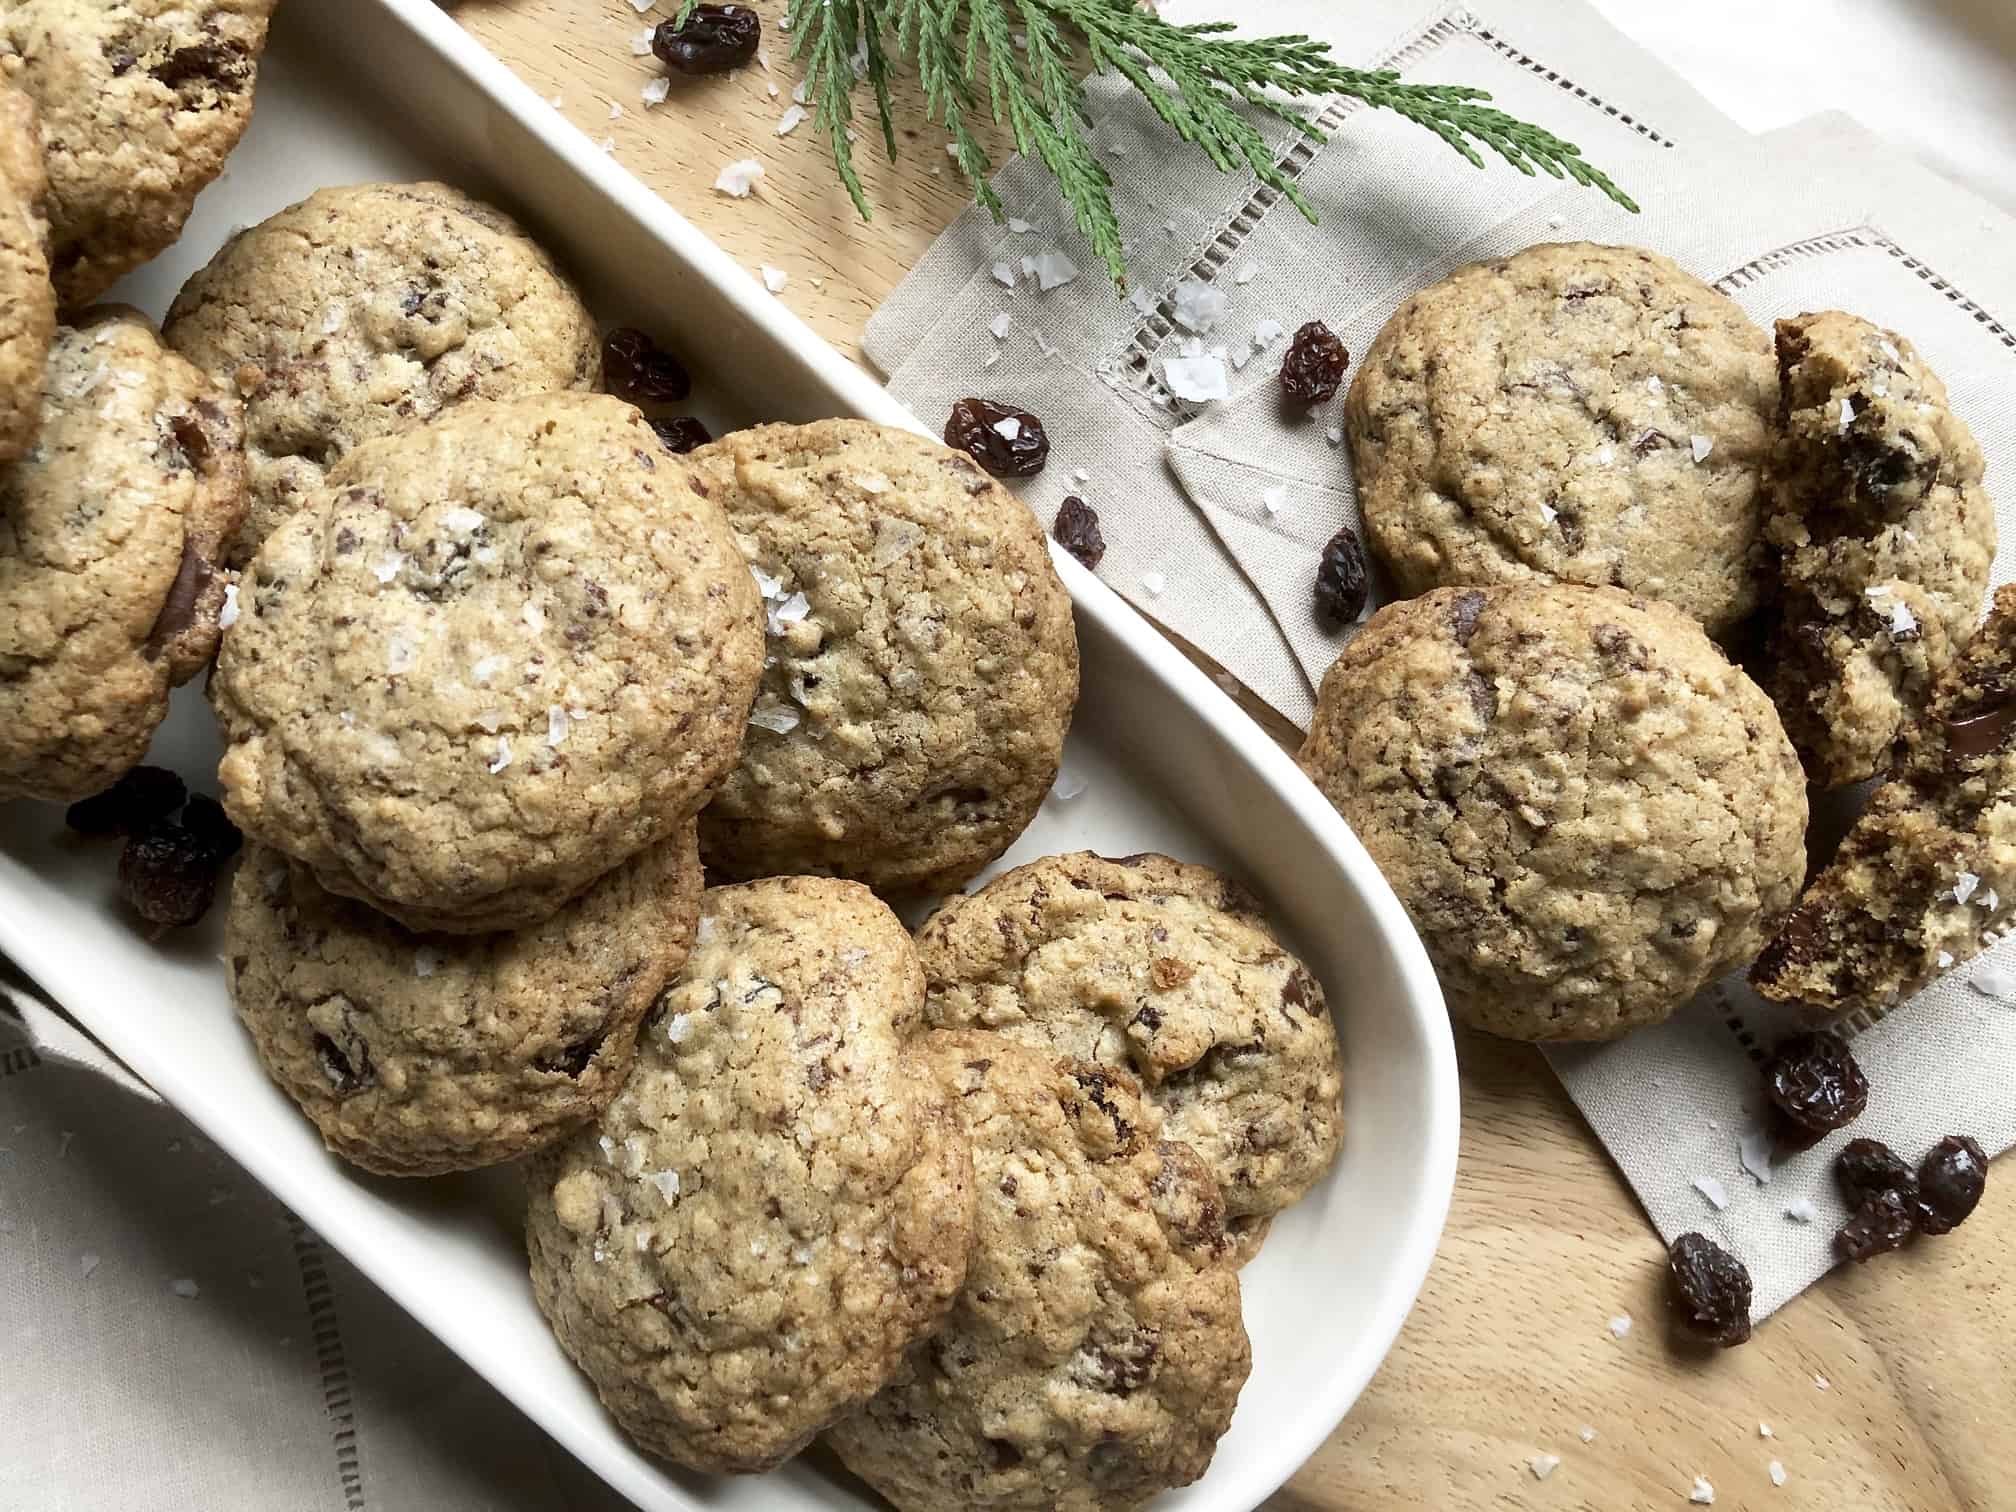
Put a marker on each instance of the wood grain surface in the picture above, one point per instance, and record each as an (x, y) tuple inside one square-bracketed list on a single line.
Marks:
[(1508, 1355)]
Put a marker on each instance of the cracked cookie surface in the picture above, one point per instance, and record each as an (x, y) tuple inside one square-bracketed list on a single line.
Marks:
[(1168, 971), (27, 301), (776, 1207), (418, 1054), (1096, 1352), (367, 308), (112, 529), (497, 655), (141, 101), (1588, 813), (923, 662), (1884, 537), (1572, 412), (1930, 866)]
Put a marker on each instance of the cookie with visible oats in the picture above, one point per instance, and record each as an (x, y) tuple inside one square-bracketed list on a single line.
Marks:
[(27, 301), (498, 655), (776, 1206), (141, 101), (367, 308), (1097, 1351), (1170, 972), (923, 664), (1930, 866), (1574, 413), (1588, 812), (1884, 538), (418, 1054), (112, 531)]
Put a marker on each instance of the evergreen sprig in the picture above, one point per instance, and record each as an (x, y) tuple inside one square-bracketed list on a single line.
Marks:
[(1020, 61)]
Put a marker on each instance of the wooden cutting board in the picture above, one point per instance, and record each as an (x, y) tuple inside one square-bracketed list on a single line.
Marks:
[(1508, 1354)]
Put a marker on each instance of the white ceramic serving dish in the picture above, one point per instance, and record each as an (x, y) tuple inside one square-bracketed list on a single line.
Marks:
[(1169, 763)]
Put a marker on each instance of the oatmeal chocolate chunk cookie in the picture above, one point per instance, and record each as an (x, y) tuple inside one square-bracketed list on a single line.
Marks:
[(111, 531), (1170, 972), (1095, 1355), (27, 302), (1931, 864), (367, 308), (1884, 538), (776, 1207), (923, 664), (497, 655), (1587, 811), (1572, 412), (141, 101), (418, 1054)]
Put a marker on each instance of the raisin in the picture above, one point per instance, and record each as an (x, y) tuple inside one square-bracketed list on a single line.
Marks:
[(681, 433), (1867, 1168), (1077, 531), (168, 874), (1950, 1182), (1314, 366), (636, 368), (1709, 1290), (1007, 442), (206, 820), (1882, 1223), (346, 1072), (143, 795), (1815, 1087), (1340, 580), (713, 39)]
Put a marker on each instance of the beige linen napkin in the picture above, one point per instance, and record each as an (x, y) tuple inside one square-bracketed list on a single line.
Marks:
[(1090, 363)]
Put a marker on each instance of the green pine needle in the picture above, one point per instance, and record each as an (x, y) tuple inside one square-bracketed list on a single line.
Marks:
[(1193, 77)]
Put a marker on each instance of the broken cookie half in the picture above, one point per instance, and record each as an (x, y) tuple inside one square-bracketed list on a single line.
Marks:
[(1931, 864)]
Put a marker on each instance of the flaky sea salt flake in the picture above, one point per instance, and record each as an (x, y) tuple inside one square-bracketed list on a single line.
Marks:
[(87, 1263), (1943, 960), (1246, 274), (503, 757), (739, 178), (1020, 226), (1266, 333), (1273, 498), (1703, 1494), (794, 116), (1334, 435), (1549, 514), (1713, 1190), (1700, 446), (1008, 429), (774, 279), (1587, 1435), (185, 1288), (557, 725), (1197, 379), (1993, 982), (1198, 306), (778, 719), (1053, 270), (1777, 1473), (1754, 1151), (1005, 275), (399, 655), (1964, 885), (1821, 1383), (1142, 300), (427, 960), (1154, 583), (667, 1183), (1620, 1325), (1798, 1210), (388, 566), (1067, 786), (1543, 1465), (999, 325), (228, 615)]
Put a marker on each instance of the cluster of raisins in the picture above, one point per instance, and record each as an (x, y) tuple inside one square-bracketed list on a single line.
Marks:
[(1893, 1204), (169, 869)]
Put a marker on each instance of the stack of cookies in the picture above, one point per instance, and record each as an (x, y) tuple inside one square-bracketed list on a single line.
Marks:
[(1580, 459), (122, 469)]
